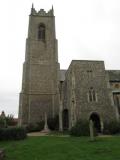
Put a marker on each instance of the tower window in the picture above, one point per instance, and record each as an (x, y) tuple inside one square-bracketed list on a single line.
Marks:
[(41, 32)]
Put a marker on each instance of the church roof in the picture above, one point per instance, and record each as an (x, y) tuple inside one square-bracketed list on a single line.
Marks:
[(114, 75), (62, 75)]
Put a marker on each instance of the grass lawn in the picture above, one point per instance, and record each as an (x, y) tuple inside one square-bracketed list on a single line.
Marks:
[(63, 148)]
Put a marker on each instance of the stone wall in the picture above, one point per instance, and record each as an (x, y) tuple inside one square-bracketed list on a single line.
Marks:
[(88, 74)]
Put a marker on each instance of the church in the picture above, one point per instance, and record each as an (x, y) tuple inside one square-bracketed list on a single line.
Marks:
[(85, 91)]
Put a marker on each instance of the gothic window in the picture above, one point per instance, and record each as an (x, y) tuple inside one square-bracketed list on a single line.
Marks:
[(41, 32), (92, 96), (89, 73)]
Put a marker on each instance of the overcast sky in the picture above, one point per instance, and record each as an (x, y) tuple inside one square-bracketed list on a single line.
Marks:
[(85, 29)]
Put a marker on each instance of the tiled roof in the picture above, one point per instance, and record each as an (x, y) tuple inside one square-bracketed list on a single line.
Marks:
[(62, 75)]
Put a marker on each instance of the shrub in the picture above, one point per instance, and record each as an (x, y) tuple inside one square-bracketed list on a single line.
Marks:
[(112, 127), (40, 125), (7, 121), (35, 127), (10, 120), (53, 123), (14, 133), (81, 128)]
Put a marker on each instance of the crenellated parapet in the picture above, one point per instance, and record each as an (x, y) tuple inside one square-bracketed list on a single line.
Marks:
[(41, 12)]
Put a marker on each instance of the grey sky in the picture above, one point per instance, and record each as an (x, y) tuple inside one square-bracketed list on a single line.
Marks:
[(85, 29)]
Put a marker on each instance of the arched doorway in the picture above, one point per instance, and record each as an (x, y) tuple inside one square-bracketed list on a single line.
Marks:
[(96, 121), (65, 119)]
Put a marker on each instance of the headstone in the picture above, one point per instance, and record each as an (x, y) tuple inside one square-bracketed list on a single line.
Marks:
[(60, 118), (91, 125), (2, 154), (46, 125), (3, 118), (3, 114)]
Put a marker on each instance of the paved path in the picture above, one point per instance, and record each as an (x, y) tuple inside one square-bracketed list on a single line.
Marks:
[(46, 134), (37, 134), (42, 133)]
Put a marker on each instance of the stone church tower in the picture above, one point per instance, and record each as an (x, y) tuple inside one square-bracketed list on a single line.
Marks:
[(39, 93)]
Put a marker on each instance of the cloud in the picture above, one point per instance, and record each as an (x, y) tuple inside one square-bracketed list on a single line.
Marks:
[(9, 103)]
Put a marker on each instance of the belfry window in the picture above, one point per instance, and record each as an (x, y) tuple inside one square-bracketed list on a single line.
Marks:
[(92, 96), (41, 32)]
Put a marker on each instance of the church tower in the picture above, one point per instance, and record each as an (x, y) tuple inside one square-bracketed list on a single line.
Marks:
[(39, 95)]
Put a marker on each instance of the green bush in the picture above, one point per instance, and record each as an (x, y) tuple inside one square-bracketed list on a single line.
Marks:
[(112, 127), (14, 133), (53, 123), (35, 127), (81, 128), (7, 121), (10, 120), (40, 125)]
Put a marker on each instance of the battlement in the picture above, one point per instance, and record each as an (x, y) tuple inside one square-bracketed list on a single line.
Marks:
[(41, 12)]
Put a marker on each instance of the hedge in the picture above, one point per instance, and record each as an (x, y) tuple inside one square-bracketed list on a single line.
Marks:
[(35, 127), (112, 127), (53, 123), (81, 128), (14, 133)]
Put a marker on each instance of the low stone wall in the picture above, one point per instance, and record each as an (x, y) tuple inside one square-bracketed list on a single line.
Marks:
[(2, 154)]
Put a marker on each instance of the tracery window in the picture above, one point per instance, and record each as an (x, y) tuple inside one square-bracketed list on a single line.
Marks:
[(90, 73), (92, 96), (41, 32)]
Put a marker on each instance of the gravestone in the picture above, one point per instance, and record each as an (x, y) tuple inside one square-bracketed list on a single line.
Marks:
[(91, 125), (46, 125), (2, 154)]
